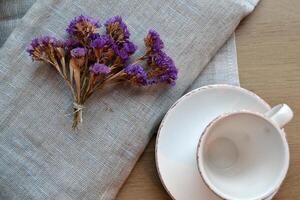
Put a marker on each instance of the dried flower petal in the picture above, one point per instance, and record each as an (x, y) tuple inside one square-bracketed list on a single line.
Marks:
[(71, 43), (153, 41), (94, 36), (117, 28), (50, 41), (78, 52), (136, 74), (101, 41), (99, 69), (124, 50), (82, 26), (163, 69), (33, 46), (38, 46)]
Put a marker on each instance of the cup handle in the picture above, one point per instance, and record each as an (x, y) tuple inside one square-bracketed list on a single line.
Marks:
[(280, 114)]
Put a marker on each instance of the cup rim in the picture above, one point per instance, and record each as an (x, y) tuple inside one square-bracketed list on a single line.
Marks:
[(199, 153)]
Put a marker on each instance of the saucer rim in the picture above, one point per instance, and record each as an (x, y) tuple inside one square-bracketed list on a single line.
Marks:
[(193, 92)]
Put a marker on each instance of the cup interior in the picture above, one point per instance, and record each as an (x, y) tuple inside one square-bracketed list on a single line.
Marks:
[(243, 156)]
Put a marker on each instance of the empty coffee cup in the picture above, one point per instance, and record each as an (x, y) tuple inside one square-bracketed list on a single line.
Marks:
[(245, 155)]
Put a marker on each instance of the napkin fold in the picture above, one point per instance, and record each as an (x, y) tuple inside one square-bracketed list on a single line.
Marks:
[(40, 156), (222, 69), (11, 11)]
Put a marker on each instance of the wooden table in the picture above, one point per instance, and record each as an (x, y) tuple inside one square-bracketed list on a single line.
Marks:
[(268, 46)]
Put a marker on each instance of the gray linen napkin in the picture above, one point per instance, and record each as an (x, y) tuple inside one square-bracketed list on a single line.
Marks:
[(222, 69), (40, 157), (10, 13)]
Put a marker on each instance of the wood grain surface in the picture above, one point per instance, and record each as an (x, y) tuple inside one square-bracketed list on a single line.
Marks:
[(268, 46)]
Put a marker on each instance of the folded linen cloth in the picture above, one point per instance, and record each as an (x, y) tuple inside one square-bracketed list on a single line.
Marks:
[(11, 11), (222, 69), (40, 157)]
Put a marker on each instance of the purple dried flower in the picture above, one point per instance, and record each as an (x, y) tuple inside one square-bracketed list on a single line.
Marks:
[(37, 47), (120, 52), (71, 43), (163, 69), (170, 76), (99, 69), (101, 41), (153, 41), (116, 28), (48, 40), (82, 26), (33, 45), (136, 74), (35, 42), (124, 50), (129, 47), (78, 52), (94, 36), (161, 58)]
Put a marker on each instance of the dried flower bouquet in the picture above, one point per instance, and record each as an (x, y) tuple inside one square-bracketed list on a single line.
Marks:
[(88, 60)]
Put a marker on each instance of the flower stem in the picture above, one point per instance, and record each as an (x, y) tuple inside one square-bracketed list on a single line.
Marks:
[(77, 118), (140, 59)]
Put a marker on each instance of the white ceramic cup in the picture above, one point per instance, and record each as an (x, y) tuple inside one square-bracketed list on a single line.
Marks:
[(245, 155)]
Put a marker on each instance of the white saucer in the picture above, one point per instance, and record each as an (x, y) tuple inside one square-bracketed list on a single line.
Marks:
[(181, 129)]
